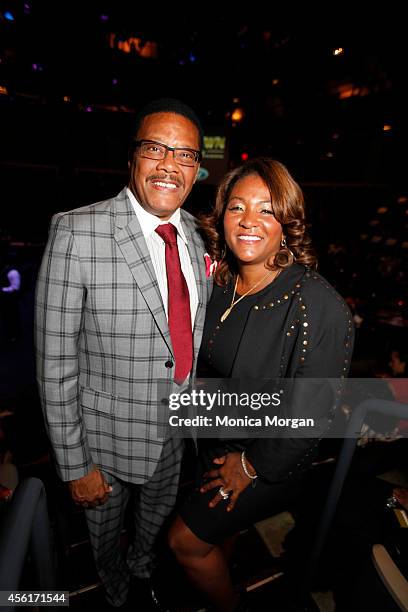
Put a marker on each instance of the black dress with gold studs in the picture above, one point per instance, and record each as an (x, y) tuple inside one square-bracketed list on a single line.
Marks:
[(296, 327)]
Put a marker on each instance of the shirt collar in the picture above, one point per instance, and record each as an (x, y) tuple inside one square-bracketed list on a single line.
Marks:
[(149, 222)]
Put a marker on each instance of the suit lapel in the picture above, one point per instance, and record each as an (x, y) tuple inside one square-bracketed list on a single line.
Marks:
[(130, 240)]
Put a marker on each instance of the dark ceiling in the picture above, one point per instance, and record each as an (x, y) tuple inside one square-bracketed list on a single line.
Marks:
[(329, 117), (73, 74)]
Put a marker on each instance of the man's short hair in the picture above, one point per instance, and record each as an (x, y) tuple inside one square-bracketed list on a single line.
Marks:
[(169, 105)]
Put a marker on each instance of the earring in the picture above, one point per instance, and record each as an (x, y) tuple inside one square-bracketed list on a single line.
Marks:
[(224, 252), (285, 247)]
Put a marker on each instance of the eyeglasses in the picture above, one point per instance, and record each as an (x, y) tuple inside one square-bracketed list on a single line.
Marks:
[(157, 150)]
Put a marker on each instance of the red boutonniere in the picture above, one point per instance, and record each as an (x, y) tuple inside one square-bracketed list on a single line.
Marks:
[(210, 265)]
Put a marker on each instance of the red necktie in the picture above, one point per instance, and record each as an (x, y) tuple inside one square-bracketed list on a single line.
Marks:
[(179, 315)]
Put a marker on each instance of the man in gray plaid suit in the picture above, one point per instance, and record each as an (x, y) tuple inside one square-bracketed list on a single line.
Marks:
[(103, 341)]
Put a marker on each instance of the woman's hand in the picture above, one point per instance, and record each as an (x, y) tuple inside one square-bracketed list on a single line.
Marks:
[(230, 477)]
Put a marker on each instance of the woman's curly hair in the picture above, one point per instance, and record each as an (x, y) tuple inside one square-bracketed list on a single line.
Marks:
[(288, 207)]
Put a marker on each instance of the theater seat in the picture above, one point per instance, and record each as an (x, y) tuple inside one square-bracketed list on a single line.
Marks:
[(393, 579)]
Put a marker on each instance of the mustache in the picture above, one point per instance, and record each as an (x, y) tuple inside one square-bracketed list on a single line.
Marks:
[(166, 177)]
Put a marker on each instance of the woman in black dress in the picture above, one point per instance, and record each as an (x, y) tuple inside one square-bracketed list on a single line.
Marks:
[(271, 316)]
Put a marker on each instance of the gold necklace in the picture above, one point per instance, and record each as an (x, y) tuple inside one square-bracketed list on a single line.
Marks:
[(226, 313)]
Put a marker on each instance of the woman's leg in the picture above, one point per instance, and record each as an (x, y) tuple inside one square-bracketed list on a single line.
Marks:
[(205, 565), (228, 546)]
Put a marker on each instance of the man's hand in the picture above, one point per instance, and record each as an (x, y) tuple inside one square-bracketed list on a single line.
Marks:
[(90, 490), (230, 476)]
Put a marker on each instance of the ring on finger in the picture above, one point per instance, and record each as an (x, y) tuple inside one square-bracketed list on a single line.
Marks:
[(223, 493)]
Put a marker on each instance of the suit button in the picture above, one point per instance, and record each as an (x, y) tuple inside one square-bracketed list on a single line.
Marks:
[(164, 401), (169, 364)]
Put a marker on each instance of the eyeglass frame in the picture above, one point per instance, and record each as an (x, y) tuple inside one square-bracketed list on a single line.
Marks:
[(198, 154)]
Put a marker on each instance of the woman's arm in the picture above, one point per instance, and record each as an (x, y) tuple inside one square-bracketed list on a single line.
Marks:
[(330, 335)]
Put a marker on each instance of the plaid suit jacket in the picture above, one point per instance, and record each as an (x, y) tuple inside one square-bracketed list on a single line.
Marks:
[(103, 340)]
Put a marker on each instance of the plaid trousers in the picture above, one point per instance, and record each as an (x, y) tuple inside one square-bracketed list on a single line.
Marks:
[(152, 503)]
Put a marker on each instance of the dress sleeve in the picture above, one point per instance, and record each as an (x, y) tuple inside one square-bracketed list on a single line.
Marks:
[(323, 351)]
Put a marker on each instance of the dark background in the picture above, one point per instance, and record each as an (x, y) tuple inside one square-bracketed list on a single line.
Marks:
[(69, 93)]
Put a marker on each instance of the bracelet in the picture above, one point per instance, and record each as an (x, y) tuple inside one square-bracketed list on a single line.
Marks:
[(244, 467)]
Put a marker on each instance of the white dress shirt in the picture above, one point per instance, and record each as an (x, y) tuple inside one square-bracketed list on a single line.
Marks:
[(157, 247)]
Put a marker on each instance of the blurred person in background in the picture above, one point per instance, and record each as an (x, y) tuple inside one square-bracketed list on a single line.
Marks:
[(10, 283)]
